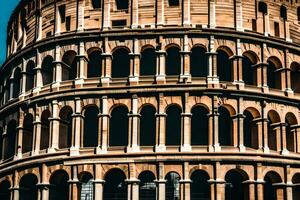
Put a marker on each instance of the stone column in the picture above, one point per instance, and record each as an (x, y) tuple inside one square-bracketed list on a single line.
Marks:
[(132, 189), (134, 13), (133, 126), (11, 88), (213, 127), (15, 193), (186, 133), (98, 185), (57, 72), (160, 13), (103, 126), (23, 80), (74, 185), (238, 125), (239, 15), (282, 136), (77, 127), (161, 183), (161, 67), (185, 182), (251, 188), (57, 22), (160, 126), (260, 189), (19, 138), (237, 62), (134, 64), (185, 75), (186, 16), (297, 138), (261, 78), (37, 130), (212, 14), (260, 138), (212, 77), (106, 69), (265, 135), (80, 15), (54, 127), (44, 191), (106, 15)]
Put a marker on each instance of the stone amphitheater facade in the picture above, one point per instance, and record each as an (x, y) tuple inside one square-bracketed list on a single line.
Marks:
[(151, 99)]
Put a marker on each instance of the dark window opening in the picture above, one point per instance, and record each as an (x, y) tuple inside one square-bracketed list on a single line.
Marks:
[(65, 127), (30, 75), (118, 129), (47, 70), (59, 186), (147, 186), (96, 4), (122, 4), (173, 61), (200, 187), (262, 7), (283, 12), (27, 139), (148, 62), (29, 189), (173, 131), (225, 127), (94, 64), (45, 123), (172, 186), (235, 189), (119, 23), (115, 187), (62, 13), (5, 190), (250, 131), (68, 23), (248, 72), (276, 29), (199, 134), (224, 66), (254, 25), (198, 62), (147, 126), (91, 124), (120, 63), (173, 2)]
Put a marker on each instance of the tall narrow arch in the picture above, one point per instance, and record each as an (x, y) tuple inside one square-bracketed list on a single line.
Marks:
[(225, 127), (5, 190), (290, 120), (199, 125), (28, 186), (65, 127), (10, 145), (17, 82), (69, 68), (118, 126), (91, 126), (148, 62), (224, 66), (200, 187), (198, 62), (27, 139), (147, 186), (172, 186), (296, 188), (273, 75), (59, 186), (95, 63), (30, 75), (47, 70), (249, 73), (173, 125), (235, 188), (147, 126), (87, 186), (45, 123), (273, 119), (173, 61), (295, 77), (120, 63), (270, 190), (114, 186), (250, 128)]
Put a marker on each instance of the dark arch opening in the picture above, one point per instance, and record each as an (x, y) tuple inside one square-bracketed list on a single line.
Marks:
[(283, 12), (28, 188), (120, 63), (45, 130), (250, 131), (91, 126), (94, 64), (200, 187), (69, 67), (198, 62), (296, 188), (65, 127), (295, 77), (173, 126), (87, 186), (147, 187), (173, 61), (249, 75), (10, 145), (47, 70), (118, 135), (148, 62), (30, 75), (262, 7), (5, 190), (224, 67), (290, 120), (172, 186), (122, 4), (27, 139), (235, 189), (199, 133), (273, 76), (59, 189), (17, 82), (225, 127), (114, 186), (273, 118), (270, 191), (147, 126)]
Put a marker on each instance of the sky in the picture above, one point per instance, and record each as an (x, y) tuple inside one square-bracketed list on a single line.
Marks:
[(6, 8)]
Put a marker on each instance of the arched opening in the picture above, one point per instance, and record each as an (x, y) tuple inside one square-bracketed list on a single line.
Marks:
[(290, 121), (91, 126), (59, 189), (296, 188), (45, 135), (47, 70), (147, 126), (173, 125), (87, 186), (96, 4), (200, 187), (114, 186), (65, 127), (30, 75), (198, 62), (273, 129), (118, 129), (120, 63), (250, 128), (225, 127), (199, 131), (263, 7), (148, 62), (295, 77), (273, 75), (283, 12), (224, 68), (271, 192), (69, 66), (5, 190), (172, 186), (95, 63), (17, 82), (173, 61), (147, 187), (28, 188), (235, 189), (10, 145), (27, 139), (249, 74)]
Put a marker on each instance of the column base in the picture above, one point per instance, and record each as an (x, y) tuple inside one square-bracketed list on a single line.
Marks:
[(55, 85), (133, 80), (213, 80), (74, 151), (35, 153), (105, 81), (36, 90), (285, 152), (132, 149), (160, 79), (101, 150), (289, 92), (186, 148), (242, 148), (160, 148), (185, 78), (51, 150), (266, 149), (79, 82)]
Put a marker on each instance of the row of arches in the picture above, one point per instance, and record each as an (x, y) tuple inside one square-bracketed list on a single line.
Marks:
[(120, 119), (115, 186), (120, 66)]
